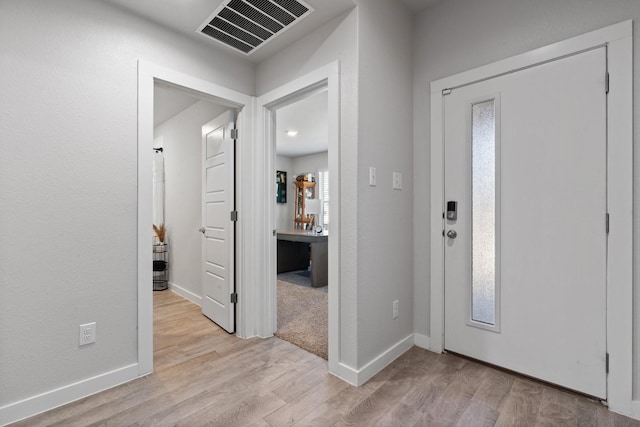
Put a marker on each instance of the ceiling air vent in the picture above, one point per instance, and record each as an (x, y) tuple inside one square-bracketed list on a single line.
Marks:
[(247, 25)]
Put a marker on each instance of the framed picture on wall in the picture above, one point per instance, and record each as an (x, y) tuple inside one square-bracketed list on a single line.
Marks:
[(281, 192)]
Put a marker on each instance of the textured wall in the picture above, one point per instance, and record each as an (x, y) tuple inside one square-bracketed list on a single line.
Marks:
[(385, 231), (68, 184)]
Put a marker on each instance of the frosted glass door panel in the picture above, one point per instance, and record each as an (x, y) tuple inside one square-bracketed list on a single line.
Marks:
[(483, 184)]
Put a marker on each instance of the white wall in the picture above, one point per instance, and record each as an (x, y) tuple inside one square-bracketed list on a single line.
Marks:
[(457, 35), (68, 184), (310, 163), (335, 41), (385, 219), (182, 135)]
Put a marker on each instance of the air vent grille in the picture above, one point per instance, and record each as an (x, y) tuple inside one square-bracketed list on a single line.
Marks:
[(246, 25), (292, 6), (275, 12)]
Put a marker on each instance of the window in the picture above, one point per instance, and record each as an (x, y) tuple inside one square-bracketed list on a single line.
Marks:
[(323, 195)]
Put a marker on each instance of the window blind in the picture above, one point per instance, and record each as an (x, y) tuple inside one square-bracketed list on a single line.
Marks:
[(323, 188)]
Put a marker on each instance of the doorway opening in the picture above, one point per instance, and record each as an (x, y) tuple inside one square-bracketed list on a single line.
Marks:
[(302, 221), (188, 143), (210, 100), (325, 79)]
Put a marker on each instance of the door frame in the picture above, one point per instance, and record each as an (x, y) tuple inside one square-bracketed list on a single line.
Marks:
[(326, 77), (148, 74), (619, 40)]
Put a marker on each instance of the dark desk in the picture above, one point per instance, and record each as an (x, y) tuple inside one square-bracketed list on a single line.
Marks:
[(293, 254)]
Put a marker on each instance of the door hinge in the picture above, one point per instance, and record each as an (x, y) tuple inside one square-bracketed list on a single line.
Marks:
[(607, 225), (234, 216), (234, 133), (607, 362), (234, 298), (446, 92), (606, 83)]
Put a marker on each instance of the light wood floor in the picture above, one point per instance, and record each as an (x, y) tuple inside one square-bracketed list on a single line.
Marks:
[(204, 376)]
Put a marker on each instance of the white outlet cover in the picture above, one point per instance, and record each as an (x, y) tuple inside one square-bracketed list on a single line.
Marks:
[(87, 334)]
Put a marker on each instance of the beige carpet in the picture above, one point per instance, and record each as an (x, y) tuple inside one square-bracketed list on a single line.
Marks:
[(302, 317)]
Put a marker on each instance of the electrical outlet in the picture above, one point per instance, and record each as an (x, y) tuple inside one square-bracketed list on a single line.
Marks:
[(396, 310), (87, 334)]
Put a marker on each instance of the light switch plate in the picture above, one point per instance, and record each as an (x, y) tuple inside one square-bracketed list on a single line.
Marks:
[(372, 176), (397, 181)]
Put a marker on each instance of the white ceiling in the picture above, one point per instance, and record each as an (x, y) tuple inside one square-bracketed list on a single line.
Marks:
[(419, 5), (185, 16), (307, 116)]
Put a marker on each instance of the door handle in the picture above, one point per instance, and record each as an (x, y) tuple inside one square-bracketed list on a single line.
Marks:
[(202, 230), (452, 234)]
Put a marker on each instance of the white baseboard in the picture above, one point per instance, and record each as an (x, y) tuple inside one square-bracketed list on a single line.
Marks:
[(345, 373), (61, 396), (369, 370), (186, 294), (422, 341), (358, 377), (635, 409)]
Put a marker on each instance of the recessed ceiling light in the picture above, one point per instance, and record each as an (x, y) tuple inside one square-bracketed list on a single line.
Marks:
[(292, 132)]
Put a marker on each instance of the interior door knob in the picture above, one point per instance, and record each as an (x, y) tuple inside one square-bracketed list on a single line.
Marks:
[(202, 230), (452, 234)]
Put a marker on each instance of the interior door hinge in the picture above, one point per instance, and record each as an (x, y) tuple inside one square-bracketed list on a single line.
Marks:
[(607, 362), (234, 216), (234, 298), (607, 226), (234, 133), (606, 83)]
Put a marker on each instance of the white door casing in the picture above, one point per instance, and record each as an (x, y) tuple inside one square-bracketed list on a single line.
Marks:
[(537, 221), (327, 76), (218, 203), (619, 330)]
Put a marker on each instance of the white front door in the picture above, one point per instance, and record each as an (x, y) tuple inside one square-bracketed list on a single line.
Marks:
[(218, 202), (526, 255)]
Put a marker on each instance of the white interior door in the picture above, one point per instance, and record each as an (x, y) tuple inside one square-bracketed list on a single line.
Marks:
[(525, 160), (218, 202)]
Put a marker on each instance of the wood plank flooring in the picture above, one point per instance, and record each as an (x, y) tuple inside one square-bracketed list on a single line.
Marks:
[(204, 376)]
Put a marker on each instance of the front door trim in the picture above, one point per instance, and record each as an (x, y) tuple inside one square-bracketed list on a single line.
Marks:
[(619, 40)]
